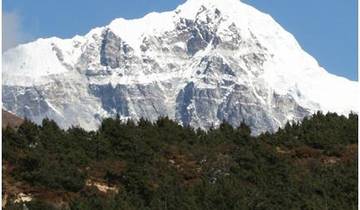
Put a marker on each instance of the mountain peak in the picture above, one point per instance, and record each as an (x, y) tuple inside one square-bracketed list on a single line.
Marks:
[(191, 7), (219, 3), (205, 62), (229, 12)]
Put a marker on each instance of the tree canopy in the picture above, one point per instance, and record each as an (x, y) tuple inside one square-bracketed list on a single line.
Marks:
[(161, 165)]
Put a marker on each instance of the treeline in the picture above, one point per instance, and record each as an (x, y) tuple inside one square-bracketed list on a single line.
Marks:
[(161, 165)]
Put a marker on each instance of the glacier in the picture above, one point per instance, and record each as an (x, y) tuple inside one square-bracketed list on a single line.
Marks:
[(205, 62)]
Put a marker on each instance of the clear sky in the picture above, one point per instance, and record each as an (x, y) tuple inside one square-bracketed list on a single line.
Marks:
[(327, 29)]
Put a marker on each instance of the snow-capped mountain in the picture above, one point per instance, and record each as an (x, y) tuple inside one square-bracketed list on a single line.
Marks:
[(204, 62)]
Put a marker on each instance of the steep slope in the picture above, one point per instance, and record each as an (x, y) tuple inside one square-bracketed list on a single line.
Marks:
[(204, 62)]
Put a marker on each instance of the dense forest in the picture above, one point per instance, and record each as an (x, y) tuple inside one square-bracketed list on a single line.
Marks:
[(161, 165)]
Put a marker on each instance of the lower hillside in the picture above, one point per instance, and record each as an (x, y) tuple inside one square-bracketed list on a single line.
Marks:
[(161, 165), (10, 120)]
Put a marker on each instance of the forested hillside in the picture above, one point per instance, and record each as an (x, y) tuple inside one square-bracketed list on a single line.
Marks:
[(161, 165)]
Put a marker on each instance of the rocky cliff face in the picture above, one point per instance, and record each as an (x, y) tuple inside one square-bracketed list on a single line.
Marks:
[(205, 62)]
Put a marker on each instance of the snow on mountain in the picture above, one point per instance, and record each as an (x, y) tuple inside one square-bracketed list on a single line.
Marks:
[(204, 62)]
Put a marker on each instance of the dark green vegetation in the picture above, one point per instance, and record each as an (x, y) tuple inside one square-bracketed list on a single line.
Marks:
[(161, 165)]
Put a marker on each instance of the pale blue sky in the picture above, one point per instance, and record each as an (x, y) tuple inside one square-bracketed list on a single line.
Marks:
[(327, 29)]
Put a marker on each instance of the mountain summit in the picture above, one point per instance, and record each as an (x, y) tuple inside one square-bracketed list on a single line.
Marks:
[(205, 62)]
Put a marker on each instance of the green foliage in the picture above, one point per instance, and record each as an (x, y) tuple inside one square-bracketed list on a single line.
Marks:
[(161, 165)]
